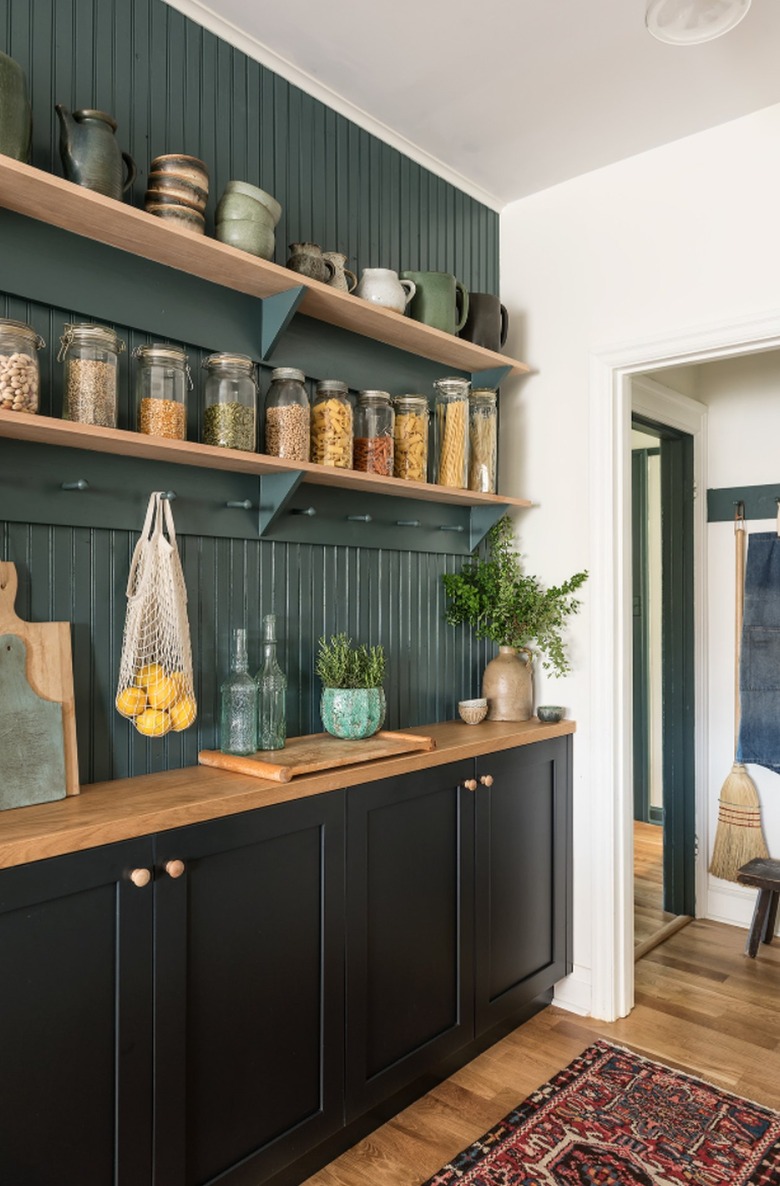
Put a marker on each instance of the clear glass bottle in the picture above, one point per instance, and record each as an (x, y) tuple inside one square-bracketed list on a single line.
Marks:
[(451, 432), (373, 445), (483, 441), (272, 685), (411, 438), (91, 357), (19, 374), (230, 402), (332, 424), (238, 703), (162, 379), (287, 415)]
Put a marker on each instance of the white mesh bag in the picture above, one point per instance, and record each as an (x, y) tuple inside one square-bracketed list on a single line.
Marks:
[(155, 689)]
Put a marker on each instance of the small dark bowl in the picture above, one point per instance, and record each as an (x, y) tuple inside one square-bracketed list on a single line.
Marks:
[(550, 714)]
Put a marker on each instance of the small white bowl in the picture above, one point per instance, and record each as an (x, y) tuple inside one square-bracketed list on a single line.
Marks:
[(472, 711)]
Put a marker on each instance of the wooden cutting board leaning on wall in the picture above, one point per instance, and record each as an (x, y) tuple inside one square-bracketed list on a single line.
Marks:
[(38, 755)]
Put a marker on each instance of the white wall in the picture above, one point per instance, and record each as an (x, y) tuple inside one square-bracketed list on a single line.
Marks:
[(684, 237)]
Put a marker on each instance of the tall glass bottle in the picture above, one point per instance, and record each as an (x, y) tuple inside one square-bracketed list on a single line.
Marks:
[(238, 707), (272, 684)]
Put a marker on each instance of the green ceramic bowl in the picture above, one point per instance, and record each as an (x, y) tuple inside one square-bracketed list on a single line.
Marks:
[(255, 237), (550, 714)]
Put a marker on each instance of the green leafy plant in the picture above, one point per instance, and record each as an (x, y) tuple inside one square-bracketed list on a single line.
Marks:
[(510, 608), (342, 665)]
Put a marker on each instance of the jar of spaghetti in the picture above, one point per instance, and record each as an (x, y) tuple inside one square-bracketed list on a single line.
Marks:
[(90, 354), (162, 379), (482, 440), (331, 425), (287, 415), (451, 432), (19, 374), (411, 438), (373, 449)]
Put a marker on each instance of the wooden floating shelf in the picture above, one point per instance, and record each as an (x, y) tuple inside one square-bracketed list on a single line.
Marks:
[(60, 203)]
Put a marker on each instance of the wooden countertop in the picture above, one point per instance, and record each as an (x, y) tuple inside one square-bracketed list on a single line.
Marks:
[(122, 809)]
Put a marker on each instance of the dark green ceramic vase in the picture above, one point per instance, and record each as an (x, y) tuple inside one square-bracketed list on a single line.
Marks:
[(15, 117)]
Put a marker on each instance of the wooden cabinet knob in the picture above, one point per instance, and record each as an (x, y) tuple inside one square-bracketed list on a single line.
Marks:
[(486, 780), (141, 877), (174, 868), (470, 784)]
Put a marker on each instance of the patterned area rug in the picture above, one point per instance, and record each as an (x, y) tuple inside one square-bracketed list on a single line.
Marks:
[(613, 1118)]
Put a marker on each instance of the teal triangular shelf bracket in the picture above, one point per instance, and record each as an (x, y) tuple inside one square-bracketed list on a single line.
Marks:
[(482, 519), (276, 490), (491, 378), (277, 312)]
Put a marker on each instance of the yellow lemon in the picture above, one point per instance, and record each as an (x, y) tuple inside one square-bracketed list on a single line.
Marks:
[(183, 713), (131, 701), (153, 723), (181, 681), (150, 673), (163, 693)]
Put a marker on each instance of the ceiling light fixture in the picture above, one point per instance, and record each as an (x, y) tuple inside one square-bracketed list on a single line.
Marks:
[(691, 22)]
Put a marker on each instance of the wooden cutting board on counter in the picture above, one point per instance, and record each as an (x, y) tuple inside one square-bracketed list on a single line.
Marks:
[(317, 751), (39, 760)]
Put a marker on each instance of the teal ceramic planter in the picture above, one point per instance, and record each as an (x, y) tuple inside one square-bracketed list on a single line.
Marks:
[(352, 713)]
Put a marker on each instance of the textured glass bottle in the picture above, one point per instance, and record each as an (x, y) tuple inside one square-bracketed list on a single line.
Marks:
[(238, 708), (272, 685)]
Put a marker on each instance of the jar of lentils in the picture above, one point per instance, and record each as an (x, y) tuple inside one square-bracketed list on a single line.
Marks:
[(90, 354), (411, 438), (373, 449), (162, 380), (482, 440), (230, 402), (287, 415), (19, 375), (451, 432), (331, 425)]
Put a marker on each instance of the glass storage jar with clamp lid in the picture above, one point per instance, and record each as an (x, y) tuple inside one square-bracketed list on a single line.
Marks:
[(19, 374), (331, 424), (162, 381), (482, 440), (451, 432), (411, 438), (373, 446), (287, 415), (91, 357), (230, 402)]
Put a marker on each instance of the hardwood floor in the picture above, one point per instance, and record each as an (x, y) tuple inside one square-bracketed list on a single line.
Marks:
[(649, 915), (701, 1006)]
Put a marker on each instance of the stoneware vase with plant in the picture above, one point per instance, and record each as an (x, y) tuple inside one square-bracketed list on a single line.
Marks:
[(352, 705), (514, 611)]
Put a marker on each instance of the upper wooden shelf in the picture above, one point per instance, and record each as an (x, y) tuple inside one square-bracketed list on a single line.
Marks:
[(60, 203)]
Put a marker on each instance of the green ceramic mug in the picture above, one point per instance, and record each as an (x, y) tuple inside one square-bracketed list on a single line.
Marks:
[(440, 300)]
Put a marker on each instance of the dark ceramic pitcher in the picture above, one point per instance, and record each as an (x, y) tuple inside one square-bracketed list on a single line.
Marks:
[(90, 154), (15, 122)]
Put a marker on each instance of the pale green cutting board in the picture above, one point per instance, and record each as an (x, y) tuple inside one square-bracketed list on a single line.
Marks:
[(32, 746)]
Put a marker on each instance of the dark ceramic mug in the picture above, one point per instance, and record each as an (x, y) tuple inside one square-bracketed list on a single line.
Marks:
[(440, 300), (487, 323)]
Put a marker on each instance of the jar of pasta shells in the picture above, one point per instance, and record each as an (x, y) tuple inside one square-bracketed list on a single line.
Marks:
[(331, 425), (287, 415), (230, 402), (373, 445), (451, 432), (482, 440), (162, 381), (90, 354), (19, 375), (411, 438)]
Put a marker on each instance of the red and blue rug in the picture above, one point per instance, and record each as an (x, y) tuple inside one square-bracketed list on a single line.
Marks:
[(613, 1118)]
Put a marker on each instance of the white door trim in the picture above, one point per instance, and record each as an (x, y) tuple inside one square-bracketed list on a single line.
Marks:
[(611, 394)]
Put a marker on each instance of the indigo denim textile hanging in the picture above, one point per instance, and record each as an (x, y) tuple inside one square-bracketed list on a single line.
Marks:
[(759, 677)]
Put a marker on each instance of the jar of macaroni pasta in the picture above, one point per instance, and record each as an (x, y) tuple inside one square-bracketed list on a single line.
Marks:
[(482, 440), (287, 415), (332, 425), (411, 438), (19, 373), (230, 402), (451, 432), (90, 354), (373, 445), (162, 380)]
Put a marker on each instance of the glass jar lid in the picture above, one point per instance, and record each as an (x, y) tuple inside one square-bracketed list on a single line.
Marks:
[(331, 387), (241, 361), (83, 333), (161, 352), (483, 395), (452, 387), (287, 373), (25, 331), (369, 398), (411, 403)]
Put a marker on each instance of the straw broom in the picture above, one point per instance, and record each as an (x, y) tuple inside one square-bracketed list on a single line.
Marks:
[(739, 837)]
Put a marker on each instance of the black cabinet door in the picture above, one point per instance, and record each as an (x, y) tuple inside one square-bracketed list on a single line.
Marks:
[(523, 877), (76, 1020), (249, 982), (409, 929)]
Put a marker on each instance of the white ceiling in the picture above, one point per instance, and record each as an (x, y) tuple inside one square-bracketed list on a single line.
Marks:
[(509, 96)]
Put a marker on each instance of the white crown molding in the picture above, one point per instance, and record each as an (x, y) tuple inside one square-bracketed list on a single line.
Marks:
[(227, 31)]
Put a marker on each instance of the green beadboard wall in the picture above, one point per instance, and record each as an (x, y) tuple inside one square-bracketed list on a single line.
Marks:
[(173, 86)]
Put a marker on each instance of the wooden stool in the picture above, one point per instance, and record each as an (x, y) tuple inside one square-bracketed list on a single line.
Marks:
[(765, 874)]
